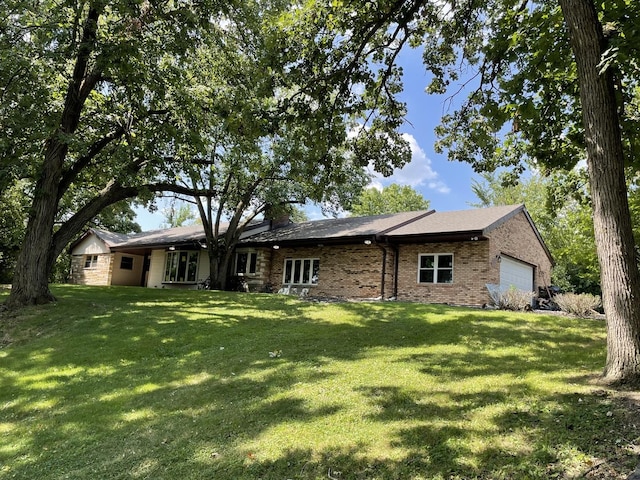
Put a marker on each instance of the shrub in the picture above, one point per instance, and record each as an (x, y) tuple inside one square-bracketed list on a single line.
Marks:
[(510, 298), (582, 304)]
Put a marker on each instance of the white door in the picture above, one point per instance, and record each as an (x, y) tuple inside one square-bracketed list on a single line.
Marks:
[(517, 274)]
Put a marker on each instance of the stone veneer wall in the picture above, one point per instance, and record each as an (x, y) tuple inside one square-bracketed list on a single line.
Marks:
[(100, 275)]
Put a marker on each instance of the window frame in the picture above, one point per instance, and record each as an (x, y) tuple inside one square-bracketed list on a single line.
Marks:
[(302, 271), (250, 264), (129, 260), (190, 268), (436, 268), (90, 262)]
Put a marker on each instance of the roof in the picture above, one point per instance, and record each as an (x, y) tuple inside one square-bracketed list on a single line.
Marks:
[(191, 233), (336, 229), (454, 225), (480, 221), (423, 225), (159, 238)]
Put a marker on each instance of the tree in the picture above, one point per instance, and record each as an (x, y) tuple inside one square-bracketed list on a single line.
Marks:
[(392, 199), (103, 100), (549, 79), (80, 89), (177, 214), (611, 216), (13, 205)]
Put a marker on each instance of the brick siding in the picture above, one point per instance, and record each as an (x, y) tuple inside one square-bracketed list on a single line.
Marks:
[(351, 271), (517, 239), (472, 270), (355, 271)]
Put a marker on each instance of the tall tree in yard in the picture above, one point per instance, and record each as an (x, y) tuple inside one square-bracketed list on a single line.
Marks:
[(105, 96), (611, 217), (83, 103), (551, 83)]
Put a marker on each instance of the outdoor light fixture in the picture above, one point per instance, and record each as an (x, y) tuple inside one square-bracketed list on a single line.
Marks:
[(367, 242), (172, 248), (276, 247)]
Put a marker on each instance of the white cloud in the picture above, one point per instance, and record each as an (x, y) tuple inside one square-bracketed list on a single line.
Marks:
[(417, 173)]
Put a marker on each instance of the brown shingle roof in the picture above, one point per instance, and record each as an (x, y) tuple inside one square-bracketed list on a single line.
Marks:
[(191, 233), (480, 220), (336, 229)]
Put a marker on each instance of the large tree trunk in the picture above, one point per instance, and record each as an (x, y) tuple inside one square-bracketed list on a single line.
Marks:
[(219, 269), (611, 218), (30, 283)]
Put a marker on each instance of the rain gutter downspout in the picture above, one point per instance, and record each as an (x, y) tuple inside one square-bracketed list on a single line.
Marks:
[(384, 266), (383, 246), (396, 267)]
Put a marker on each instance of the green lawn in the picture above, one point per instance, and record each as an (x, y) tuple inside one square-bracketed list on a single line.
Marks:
[(131, 383)]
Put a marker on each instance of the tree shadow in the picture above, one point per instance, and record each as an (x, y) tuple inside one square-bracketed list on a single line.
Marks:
[(140, 370)]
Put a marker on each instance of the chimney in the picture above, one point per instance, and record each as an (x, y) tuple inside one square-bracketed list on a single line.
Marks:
[(277, 217)]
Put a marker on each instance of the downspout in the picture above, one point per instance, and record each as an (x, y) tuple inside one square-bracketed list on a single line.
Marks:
[(383, 246), (384, 268), (396, 267)]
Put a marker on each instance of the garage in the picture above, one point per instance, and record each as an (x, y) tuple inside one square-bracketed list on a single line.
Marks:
[(516, 273)]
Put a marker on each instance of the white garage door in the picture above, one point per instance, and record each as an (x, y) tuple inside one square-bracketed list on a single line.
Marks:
[(517, 274)]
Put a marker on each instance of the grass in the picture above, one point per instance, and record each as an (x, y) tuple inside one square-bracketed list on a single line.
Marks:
[(129, 383)]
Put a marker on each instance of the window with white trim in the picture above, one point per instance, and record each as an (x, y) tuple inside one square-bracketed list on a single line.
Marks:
[(301, 271), (90, 261), (246, 263), (181, 266), (435, 268)]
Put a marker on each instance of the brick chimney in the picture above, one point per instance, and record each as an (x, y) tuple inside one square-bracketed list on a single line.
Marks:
[(277, 217)]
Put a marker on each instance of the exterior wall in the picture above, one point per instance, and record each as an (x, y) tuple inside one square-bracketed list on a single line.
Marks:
[(127, 277), (258, 280), (90, 245), (472, 269), (98, 275), (517, 239), (351, 271), (157, 261), (474, 265)]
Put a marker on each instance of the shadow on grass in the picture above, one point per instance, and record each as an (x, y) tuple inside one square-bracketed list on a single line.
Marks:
[(136, 383)]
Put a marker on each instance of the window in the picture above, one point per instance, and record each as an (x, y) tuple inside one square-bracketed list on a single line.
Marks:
[(126, 263), (181, 267), (90, 261), (246, 263), (301, 271), (436, 268)]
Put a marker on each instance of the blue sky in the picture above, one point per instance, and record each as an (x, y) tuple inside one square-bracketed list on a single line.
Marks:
[(447, 185)]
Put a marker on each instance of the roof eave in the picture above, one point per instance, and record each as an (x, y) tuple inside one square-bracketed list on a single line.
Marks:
[(309, 242), (443, 237)]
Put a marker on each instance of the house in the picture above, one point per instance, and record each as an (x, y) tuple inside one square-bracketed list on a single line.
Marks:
[(424, 256)]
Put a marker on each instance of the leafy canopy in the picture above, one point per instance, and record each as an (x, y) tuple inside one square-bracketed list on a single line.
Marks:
[(392, 199)]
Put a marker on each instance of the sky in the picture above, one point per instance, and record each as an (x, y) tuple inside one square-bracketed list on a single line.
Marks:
[(446, 184)]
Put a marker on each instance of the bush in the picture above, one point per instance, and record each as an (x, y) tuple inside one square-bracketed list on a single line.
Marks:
[(510, 298), (580, 304)]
